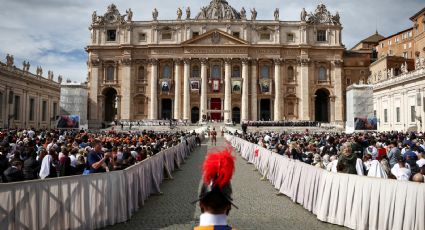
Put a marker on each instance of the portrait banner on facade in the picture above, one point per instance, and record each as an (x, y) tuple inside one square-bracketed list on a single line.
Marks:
[(216, 85), (165, 86), (236, 86), (265, 87), (68, 122), (194, 85), (363, 123)]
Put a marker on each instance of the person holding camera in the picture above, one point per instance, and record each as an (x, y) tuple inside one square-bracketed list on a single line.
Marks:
[(96, 159)]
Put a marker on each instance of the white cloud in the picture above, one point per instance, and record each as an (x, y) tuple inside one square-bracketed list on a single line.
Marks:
[(51, 32)]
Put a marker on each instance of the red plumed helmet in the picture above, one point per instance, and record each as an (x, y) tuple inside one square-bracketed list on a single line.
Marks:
[(218, 168)]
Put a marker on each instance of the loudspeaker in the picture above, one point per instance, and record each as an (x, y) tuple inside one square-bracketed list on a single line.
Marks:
[(10, 97)]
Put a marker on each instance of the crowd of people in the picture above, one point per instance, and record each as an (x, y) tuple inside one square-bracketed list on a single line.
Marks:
[(391, 155), (283, 123), (39, 154)]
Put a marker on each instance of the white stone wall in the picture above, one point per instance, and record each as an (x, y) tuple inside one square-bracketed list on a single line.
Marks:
[(404, 92)]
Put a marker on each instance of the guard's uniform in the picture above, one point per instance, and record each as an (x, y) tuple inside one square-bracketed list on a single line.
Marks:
[(216, 191)]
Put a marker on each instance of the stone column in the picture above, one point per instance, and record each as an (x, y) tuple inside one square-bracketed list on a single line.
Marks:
[(153, 106), (305, 90), (204, 89), (332, 108), (278, 90), (254, 86), (95, 76), (186, 90), (125, 105), (177, 89), (244, 109), (227, 90), (339, 102)]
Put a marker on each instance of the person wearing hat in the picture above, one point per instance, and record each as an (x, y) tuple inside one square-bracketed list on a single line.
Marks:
[(215, 198)]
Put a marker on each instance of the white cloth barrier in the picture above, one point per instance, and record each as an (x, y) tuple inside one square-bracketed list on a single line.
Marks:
[(87, 202), (357, 202)]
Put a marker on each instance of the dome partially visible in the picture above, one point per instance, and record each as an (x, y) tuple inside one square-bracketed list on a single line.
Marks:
[(218, 9)]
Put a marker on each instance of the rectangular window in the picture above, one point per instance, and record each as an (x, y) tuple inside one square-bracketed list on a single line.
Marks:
[(32, 107), (55, 109), (17, 107), (385, 115), (111, 35), (390, 52), (412, 113), (348, 81), (265, 36), (44, 111), (410, 45), (397, 111), (404, 46), (405, 54), (382, 45), (321, 35), (290, 37), (236, 34), (166, 36), (374, 113), (195, 34), (142, 37)]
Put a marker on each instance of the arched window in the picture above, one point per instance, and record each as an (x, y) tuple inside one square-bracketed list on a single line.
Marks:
[(265, 72), (322, 74), (166, 71), (141, 75), (291, 108), (290, 74), (236, 71), (195, 71), (110, 73), (216, 71)]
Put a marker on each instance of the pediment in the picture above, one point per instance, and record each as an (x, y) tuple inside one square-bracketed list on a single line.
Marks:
[(215, 37)]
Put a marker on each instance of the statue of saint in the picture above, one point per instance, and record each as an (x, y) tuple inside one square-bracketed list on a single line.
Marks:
[(303, 15), (253, 14), (155, 14), (336, 18), (188, 13), (276, 14), (60, 79), (129, 15), (179, 14), (94, 17), (243, 13)]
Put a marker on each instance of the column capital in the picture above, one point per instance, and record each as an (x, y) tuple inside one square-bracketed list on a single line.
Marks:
[(277, 61), (126, 61), (303, 61), (177, 61), (254, 61), (245, 61), (186, 60), (204, 61), (337, 63), (227, 61), (153, 61)]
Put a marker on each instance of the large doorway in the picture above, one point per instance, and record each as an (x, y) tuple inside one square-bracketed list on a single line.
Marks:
[(215, 104), (194, 115), (322, 105), (236, 115), (265, 110), (166, 109), (111, 104)]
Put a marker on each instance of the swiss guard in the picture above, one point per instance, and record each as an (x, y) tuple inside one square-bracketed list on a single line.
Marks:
[(215, 198)]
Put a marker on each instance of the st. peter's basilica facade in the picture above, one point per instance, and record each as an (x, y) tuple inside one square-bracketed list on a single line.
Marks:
[(218, 64)]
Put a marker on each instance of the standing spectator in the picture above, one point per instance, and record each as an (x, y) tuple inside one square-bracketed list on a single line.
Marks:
[(347, 160), (31, 167), (400, 170), (14, 172), (65, 164), (421, 161), (393, 153), (48, 169), (96, 159)]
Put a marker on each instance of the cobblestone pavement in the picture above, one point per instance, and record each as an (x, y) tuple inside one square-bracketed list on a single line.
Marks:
[(259, 207)]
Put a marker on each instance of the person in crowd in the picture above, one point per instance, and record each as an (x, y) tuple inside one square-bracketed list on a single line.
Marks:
[(96, 159), (393, 153), (213, 137), (401, 170), (14, 172), (421, 161), (31, 166), (65, 164), (347, 160), (420, 176), (80, 165)]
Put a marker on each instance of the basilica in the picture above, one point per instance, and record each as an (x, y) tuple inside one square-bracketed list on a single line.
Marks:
[(220, 63)]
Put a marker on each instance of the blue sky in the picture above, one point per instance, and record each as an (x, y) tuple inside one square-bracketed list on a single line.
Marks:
[(53, 33)]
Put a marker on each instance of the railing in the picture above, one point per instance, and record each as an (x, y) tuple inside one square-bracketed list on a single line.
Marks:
[(357, 202), (87, 202)]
